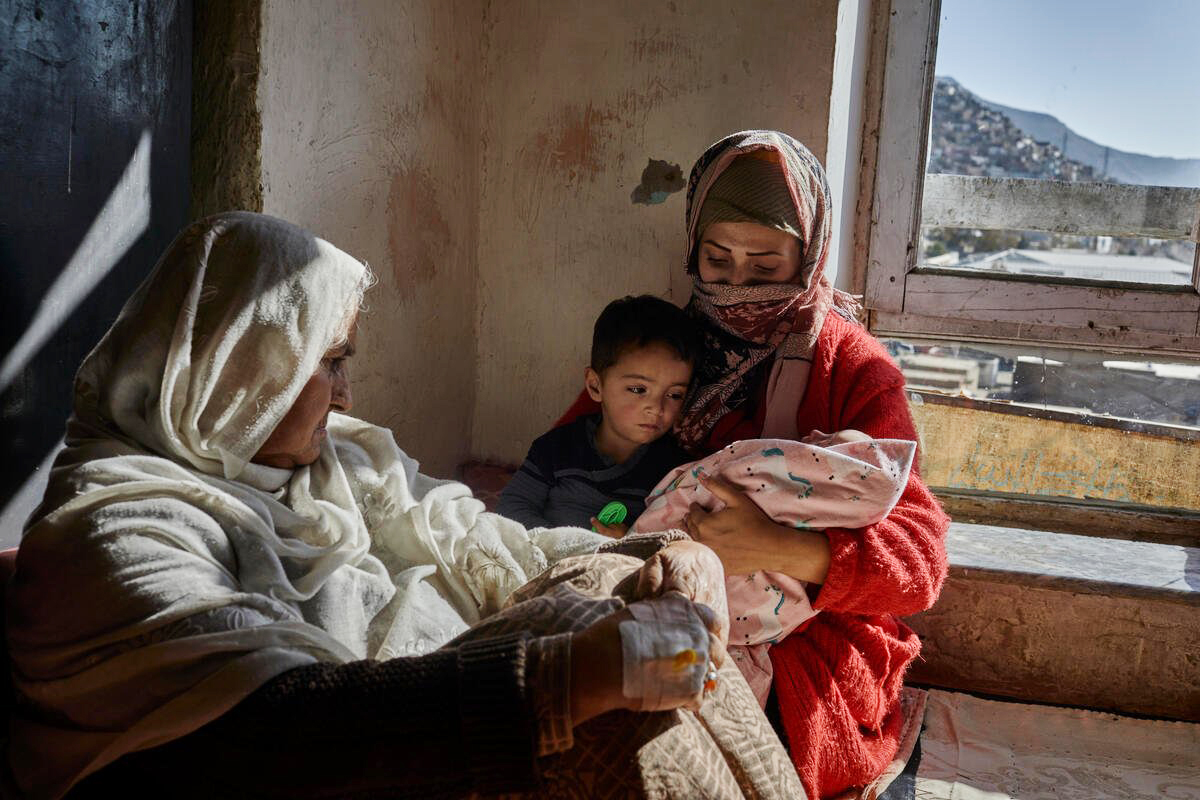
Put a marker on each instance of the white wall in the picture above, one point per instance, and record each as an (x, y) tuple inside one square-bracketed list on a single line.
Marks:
[(482, 156), (843, 155), (577, 97), (369, 139)]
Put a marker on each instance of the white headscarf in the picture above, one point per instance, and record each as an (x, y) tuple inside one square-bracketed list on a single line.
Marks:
[(165, 577)]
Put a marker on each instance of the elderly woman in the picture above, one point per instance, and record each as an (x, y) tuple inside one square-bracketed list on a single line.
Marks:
[(784, 355), (233, 589)]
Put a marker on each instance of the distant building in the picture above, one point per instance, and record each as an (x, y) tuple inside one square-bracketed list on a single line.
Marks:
[(1134, 390), (942, 373), (1083, 265)]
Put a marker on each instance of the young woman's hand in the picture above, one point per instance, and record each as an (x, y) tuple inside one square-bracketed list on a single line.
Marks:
[(747, 540)]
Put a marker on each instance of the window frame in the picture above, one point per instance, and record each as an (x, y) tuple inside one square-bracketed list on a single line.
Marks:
[(1108, 519), (904, 299)]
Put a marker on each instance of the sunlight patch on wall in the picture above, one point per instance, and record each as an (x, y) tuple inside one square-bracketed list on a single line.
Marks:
[(25, 500), (124, 218)]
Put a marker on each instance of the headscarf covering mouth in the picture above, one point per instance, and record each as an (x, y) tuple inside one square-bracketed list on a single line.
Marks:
[(747, 325)]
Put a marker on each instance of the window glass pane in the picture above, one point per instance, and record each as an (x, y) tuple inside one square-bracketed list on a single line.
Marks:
[(1079, 382), (1049, 425), (1031, 92), (1055, 255)]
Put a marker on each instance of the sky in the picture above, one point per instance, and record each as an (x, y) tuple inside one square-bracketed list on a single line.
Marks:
[(1123, 74)]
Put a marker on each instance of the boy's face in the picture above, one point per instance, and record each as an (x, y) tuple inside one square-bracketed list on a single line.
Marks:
[(641, 395)]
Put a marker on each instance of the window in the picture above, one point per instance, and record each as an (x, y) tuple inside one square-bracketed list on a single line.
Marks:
[(1009, 236), (1038, 284)]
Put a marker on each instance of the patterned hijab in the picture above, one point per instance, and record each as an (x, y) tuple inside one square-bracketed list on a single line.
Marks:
[(750, 329)]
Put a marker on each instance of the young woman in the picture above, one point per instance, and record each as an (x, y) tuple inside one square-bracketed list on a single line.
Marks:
[(783, 357)]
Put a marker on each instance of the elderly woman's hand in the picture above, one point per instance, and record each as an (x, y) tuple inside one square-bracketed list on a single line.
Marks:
[(598, 657), (691, 573), (747, 540)]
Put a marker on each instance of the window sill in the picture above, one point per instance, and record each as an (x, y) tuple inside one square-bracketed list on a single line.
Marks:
[(1073, 563), (1096, 518), (1066, 619)]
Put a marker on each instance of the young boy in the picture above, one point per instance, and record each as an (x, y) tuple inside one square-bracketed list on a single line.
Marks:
[(643, 350)]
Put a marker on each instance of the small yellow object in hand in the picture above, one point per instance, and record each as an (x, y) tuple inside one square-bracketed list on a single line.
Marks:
[(710, 677), (685, 658)]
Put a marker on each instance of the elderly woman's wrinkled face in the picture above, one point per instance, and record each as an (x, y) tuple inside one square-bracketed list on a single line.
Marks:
[(297, 438), (746, 254)]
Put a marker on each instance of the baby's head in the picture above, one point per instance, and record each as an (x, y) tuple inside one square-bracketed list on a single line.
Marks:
[(643, 351)]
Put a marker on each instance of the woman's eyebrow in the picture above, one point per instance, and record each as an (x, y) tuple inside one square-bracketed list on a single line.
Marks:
[(727, 250)]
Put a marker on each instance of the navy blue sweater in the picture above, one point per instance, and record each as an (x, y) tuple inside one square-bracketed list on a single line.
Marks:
[(565, 480)]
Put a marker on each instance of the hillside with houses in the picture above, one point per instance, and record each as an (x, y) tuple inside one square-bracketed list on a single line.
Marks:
[(970, 136)]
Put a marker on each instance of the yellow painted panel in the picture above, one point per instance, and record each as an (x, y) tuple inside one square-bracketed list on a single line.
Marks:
[(968, 448)]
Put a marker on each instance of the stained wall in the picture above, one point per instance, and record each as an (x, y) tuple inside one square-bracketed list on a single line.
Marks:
[(487, 159), (579, 97), (370, 139)]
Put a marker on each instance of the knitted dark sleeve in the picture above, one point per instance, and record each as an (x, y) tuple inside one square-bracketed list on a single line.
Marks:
[(441, 725), (524, 496)]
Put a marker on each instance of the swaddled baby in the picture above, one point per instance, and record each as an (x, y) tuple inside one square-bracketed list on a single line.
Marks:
[(840, 480)]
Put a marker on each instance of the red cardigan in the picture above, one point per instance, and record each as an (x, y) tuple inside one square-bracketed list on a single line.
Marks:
[(838, 679)]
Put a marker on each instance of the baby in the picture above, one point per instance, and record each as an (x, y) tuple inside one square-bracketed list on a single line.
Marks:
[(598, 470), (840, 480)]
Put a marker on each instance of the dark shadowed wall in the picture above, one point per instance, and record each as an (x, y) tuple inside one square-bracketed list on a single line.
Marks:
[(95, 109)]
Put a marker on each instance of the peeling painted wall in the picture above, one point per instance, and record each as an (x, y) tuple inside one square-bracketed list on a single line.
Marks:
[(578, 98), (1047, 644), (507, 169), (370, 139)]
